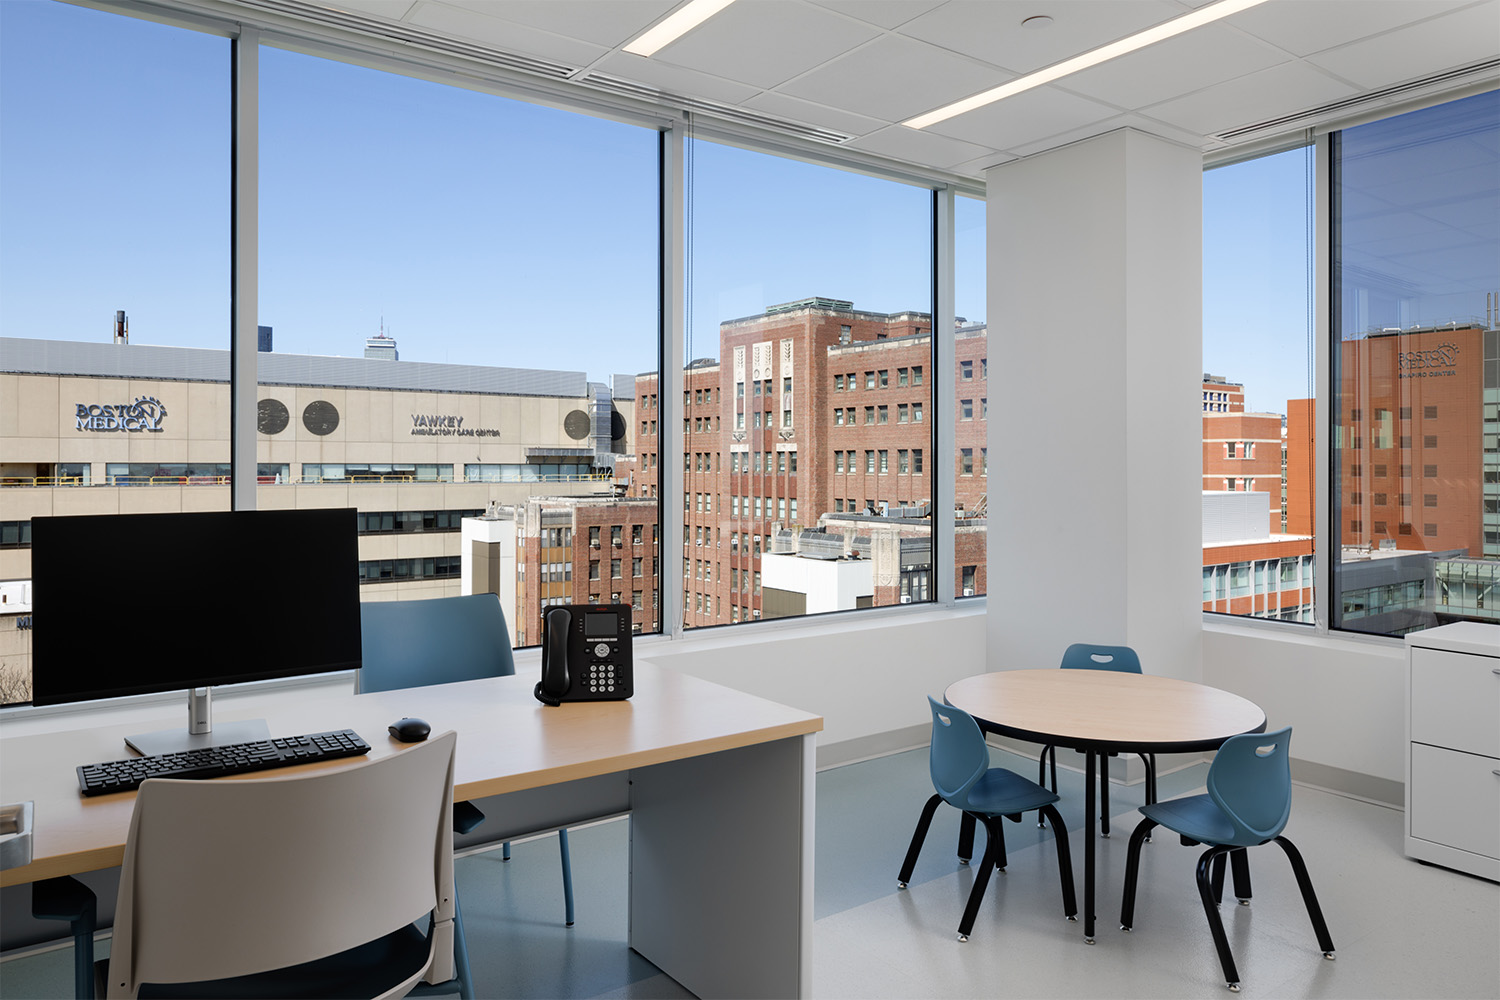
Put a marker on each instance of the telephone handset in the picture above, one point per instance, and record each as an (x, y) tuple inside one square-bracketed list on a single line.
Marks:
[(586, 654)]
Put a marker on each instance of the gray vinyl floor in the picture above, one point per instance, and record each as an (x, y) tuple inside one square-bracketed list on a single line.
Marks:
[(1401, 929)]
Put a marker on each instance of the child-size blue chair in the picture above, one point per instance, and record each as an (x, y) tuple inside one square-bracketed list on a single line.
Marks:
[(959, 761), (1085, 656), (1248, 801), (438, 641)]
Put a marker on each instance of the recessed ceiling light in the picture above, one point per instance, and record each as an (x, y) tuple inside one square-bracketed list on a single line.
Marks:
[(681, 21), (1160, 32), (1039, 21)]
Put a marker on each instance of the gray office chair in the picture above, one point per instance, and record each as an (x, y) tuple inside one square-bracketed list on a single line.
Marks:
[(438, 641), (302, 886)]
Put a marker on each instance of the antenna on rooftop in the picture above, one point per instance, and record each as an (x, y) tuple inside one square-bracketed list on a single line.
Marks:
[(122, 327)]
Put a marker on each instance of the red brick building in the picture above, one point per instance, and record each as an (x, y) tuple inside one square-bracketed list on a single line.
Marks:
[(1409, 440)]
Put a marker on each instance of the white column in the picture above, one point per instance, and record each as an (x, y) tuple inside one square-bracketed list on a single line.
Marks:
[(1095, 291)]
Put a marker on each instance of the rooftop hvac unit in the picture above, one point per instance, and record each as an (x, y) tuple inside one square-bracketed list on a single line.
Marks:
[(968, 591), (905, 598)]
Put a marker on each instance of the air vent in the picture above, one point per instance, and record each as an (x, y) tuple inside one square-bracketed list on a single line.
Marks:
[(1343, 108), (712, 109), (408, 34)]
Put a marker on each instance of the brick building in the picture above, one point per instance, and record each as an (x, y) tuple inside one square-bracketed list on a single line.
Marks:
[(813, 408)]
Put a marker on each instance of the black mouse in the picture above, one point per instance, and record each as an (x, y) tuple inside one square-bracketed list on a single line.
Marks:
[(410, 730)]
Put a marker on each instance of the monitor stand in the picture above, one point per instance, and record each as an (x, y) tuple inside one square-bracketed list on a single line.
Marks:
[(200, 731)]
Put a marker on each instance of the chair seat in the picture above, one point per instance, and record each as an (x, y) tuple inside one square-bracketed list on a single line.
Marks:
[(1002, 792), (366, 971), (1196, 817)]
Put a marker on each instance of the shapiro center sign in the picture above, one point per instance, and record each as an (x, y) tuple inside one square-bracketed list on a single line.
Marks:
[(145, 414)]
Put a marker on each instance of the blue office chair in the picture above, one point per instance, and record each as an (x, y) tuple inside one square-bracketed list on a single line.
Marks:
[(1083, 656), (960, 764), (1249, 799), (438, 641)]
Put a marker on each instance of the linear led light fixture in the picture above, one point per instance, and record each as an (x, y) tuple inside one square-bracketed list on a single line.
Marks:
[(682, 20), (1160, 32)]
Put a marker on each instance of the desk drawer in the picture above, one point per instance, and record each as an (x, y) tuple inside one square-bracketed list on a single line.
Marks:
[(1455, 700), (1455, 799)]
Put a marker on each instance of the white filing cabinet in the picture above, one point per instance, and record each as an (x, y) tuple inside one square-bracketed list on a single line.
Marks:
[(1453, 747)]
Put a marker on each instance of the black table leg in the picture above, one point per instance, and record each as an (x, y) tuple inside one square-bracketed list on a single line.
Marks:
[(1088, 847)]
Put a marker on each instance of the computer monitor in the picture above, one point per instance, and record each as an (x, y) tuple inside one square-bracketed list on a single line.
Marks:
[(135, 603)]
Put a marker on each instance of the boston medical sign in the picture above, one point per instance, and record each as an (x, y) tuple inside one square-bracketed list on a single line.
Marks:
[(145, 414)]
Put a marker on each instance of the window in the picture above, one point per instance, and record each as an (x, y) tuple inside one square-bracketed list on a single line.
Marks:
[(883, 378), (916, 413), (882, 415), (870, 462), (902, 413), (966, 371), (1410, 322), (966, 461), (966, 409), (869, 380), (869, 415), (900, 376), (885, 461), (916, 374)]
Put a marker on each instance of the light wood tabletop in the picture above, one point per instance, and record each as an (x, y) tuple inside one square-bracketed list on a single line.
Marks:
[(1105, 709), (507, 742)]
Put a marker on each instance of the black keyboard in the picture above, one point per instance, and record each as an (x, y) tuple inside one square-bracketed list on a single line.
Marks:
[(213, 762)]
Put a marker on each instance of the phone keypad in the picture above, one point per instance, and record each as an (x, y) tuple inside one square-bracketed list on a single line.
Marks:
[(602, 678)]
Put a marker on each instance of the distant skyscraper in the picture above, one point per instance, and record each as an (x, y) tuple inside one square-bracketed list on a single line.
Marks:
[(263, 339), (382, 347)]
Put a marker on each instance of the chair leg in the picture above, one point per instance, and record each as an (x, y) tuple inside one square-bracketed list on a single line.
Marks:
[(923, 822), (66, 898), (1103, 795), (965, 839), (1218, 879), (461, 954), (981, 876), (995, 830), (1239, 864), (1314, 911), (505, 851), (567, 870), (1211, 857), (1064, 859), (1139, 836)]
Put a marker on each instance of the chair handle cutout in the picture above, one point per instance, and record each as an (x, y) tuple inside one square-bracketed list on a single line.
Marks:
[(944, 719), (1102, 657), (1265, 751)]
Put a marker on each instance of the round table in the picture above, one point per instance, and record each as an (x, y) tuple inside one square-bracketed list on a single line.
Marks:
[(1100, 712)]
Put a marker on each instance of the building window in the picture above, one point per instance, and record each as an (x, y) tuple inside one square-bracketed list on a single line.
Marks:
[(966, 461), (966, 371), (966, 409)]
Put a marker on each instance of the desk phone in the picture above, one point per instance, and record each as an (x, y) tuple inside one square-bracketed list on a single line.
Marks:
[(586, 654)]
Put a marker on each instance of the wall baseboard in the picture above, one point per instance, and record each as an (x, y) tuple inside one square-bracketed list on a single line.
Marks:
[(872, 746)]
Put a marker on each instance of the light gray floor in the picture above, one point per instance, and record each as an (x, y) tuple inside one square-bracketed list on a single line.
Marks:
[(1401, 929)]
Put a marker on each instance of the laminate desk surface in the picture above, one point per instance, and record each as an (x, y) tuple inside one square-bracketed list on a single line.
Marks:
[(508, 742), (1094, 709)]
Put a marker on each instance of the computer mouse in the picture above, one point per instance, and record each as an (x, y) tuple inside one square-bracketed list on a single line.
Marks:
[(410, 730)]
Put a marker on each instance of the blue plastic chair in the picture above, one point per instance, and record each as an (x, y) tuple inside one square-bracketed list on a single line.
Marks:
[(438, 641), (1084, 656), (1248, 801), (960, 765)]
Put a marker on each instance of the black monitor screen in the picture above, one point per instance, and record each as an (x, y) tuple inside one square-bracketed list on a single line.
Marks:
[(133, 603)]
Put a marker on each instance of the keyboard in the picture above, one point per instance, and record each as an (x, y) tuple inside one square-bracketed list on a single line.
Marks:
[(217, 761)]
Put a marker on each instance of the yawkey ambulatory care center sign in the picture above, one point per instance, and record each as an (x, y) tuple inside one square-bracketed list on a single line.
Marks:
[(445, 425)]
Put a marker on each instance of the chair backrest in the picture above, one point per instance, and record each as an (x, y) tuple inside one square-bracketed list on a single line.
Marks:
[(1251, 781), (1083, 656), (436, 641), (959, 756), (232, 878)]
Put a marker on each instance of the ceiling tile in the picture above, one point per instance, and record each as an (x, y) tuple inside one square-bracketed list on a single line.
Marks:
[(991, 30), (393, 9), (504, 35), (674, 79), (602, 22), (1310, 26), (1442, 43), (1025, 118), (893, 78), (1245, 100), (767, 42), (1197, 59), (798, 110), (881, 13), (920, 146)]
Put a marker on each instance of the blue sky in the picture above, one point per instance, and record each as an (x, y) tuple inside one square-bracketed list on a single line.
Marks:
[(477, 229)]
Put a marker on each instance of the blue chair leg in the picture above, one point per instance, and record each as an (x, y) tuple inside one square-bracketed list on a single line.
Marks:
[(567, 870), (1213, 857), (505, 851), (1304, 882), (66, 898), (923, 822)]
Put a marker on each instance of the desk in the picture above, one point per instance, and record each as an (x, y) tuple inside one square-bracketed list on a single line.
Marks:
[(1099, 712), (719, 785)]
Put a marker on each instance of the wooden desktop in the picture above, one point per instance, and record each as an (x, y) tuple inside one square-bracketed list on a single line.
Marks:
[(718, 783)]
